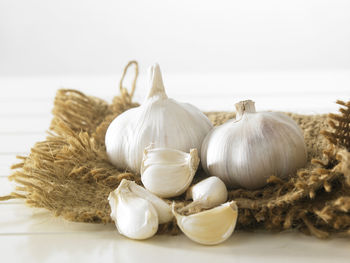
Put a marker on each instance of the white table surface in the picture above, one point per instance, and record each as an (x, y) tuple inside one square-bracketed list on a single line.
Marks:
[(34, 235)]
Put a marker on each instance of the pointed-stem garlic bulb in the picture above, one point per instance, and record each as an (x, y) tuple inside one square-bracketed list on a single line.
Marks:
[(209, 227), (167, 172), (208, 193), (159, 120), (136, 212), (246, 151)]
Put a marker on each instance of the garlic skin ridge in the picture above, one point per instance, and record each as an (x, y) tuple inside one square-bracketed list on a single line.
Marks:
[(159, 120), (207, 193), (134, 217), (209, 227), (246, 151), (167, 172)]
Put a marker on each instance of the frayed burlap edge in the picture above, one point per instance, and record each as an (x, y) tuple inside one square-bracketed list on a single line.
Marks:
[(70, 175)]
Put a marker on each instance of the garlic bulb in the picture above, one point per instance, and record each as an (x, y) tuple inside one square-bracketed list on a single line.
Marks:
[(244, 152), (167, 172), (209, 227), (159, 120), (207, 193), (136, 212)]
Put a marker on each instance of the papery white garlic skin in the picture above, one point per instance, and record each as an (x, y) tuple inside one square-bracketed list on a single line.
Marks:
[(208, 193), (209, 227), (167, 172), (246, 151), (135, 217), (159, 120)]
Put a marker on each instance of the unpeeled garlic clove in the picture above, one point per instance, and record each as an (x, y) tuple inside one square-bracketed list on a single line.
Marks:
[(137, 212), (159, 120), (135, 217), (163, 209), (167, 172), (209, 227), (208, 193)]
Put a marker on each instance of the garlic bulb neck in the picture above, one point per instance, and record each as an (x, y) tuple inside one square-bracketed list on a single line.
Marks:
[(156, 85), (243, 107)]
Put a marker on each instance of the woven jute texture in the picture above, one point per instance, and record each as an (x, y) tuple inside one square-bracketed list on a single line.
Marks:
[(70, 175)]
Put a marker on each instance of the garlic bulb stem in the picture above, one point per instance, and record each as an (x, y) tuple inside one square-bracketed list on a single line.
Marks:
[(156, 83), (243, 107)]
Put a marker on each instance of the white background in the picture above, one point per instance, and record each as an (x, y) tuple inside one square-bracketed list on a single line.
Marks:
[(98, 37)]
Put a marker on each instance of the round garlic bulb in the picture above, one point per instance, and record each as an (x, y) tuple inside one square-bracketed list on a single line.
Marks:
[(246, 151), (159, 120)]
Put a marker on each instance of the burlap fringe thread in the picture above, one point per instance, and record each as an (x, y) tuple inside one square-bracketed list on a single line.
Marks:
[(70, 175)]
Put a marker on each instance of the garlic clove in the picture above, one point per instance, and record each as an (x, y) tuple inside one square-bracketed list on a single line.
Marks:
[(159, 120), (167, 172), (209, 227), (208, 193), (163, 209), (135, 217)]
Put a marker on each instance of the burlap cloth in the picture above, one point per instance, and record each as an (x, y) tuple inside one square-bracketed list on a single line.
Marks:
[(70, 175)]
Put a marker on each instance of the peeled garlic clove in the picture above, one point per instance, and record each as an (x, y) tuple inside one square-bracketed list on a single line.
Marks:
[(209, 227), (246, 151), (207, 193), (159, 120), (167, 172), (163, 209), (135, 217)]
